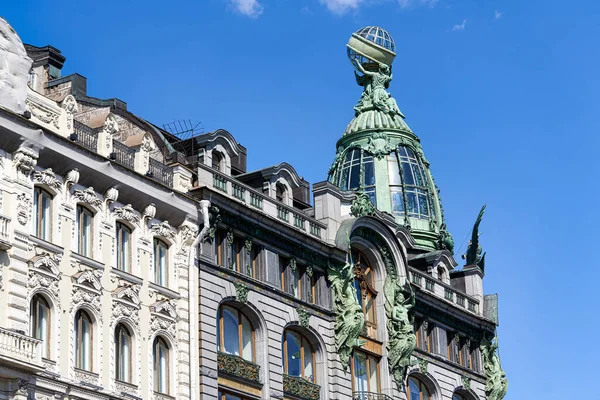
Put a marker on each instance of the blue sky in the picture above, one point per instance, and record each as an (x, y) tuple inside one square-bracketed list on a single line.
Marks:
[(504, 95)]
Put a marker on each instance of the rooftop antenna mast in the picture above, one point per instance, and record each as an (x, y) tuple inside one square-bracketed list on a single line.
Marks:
[(184, 131)]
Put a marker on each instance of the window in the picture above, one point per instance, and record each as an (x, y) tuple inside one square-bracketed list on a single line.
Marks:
[(84, 331), (441, 274), (409, 184), (457, 396), (161, 272), (236, 335), (365, 292), (350, 177), (232, 252), (454, 353), (42, 214), (84, 226), (417, 390), (298, 280), (229, 396), (160, 355), (123, 247), (298, 356), (217, 161), (123, 346), (365, 372), (279, 192), (425, 332), (40, 322)]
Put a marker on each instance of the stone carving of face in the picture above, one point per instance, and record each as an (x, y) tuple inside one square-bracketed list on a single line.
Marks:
[(14, 69)]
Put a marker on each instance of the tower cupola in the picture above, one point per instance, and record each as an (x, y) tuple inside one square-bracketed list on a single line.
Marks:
[(379, 155)]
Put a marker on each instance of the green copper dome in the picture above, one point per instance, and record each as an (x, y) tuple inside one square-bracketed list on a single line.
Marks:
[(380, 156)]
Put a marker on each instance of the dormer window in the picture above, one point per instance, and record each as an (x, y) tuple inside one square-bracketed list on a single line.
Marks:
[(279, 193), (217, 161)]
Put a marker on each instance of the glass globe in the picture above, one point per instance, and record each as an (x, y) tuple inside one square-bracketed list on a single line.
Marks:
[(375, 35)]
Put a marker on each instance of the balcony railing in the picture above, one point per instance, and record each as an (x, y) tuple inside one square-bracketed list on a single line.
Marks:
[(238, 367), (160, 172), (370, 396), (445, 291), (20, 347), (5, 243), (85, 136), (123, 154), (301, 388)]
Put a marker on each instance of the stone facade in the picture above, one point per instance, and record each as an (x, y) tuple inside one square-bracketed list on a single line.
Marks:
[(101, 216)]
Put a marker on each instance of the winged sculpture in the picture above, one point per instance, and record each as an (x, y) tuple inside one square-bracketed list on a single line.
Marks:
[(474, 255)]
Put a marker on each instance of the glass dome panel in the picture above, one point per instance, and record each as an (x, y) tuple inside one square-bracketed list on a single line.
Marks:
[(350, 176), (379, 36)]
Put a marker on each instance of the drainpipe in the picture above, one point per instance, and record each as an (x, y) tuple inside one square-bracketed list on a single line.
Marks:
[(194, 296)]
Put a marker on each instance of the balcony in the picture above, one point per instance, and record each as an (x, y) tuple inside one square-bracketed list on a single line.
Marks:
[(444, 291), (5, 243), (123, 154), (370, 396), (85, 136), (300, 388), (20, 351), (160, 172), (238, 367)]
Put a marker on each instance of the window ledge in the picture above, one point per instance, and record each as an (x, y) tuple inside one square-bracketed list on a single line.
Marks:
[(163, 290), (46, 245), (87, 261), (162, 396), (127, 276), (475, 375), (127, 389)]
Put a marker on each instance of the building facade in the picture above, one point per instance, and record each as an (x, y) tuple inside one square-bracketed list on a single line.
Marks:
[(136, 264)]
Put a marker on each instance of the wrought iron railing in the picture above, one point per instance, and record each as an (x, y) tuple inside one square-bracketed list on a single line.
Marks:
[(123, 154), (238, 367), (301, 388), (160, 172), (85, 136), (370, 396)]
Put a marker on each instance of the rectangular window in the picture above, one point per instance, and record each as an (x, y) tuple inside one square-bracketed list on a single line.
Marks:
[(161, 275), (42, 213), (365, 372), (84, 227), (123, 247)]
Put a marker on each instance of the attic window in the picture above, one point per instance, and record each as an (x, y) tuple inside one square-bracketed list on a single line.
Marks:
[(279, 193), (217, 158)]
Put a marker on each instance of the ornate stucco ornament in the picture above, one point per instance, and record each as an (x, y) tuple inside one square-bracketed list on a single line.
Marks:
[(88, 196), (474, 255), (25, 160), (401, 338), (69, 104), (466, 382), (71, 178), (43, 113), (111, 195), (349, 318), (379, 145), (163, 229), (496, 384), (303, 317), (47, 177), (362, 206), (23, 208), (241, 292), (127, 213)]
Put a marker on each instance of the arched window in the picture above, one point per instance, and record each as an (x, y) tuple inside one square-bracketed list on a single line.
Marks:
[(365, 373), (457, 396), (85, 220), (417, 390), (123, 236), (160, 353), (161, 271), (236, 335), (409, 181), (365, 291), (350, 177), (279, 192), (42, 213), (217, 160), (40, 322), (298, 356), (123, 352), (84, 334), (441, 274)]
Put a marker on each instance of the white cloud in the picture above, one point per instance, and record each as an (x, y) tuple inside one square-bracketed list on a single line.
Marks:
[(461, 26), (249, 8), (342, 6), (498, 14), (415, 3)]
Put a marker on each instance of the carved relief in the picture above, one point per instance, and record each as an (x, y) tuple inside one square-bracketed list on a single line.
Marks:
[(111, 127), (23, 208), (163, 317), (87, 288), (88, 196), (72, 178), (24, 161), (69, 104), (127, 213), (379, 145), (111, 195), (146, 147), (43, 113), (47, 177), (163, 229)]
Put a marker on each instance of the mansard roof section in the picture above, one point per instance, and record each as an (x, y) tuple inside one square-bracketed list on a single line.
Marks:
[(300, 187), (236, 152), (46, 55)]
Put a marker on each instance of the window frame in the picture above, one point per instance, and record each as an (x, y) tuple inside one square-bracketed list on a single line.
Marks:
[(159, 342), (303, 341), (82, 239), (123, 260), (157, 244), (422, 388), (119, 367), (221, 333), (368, 357), (38, 196), (365, 282), (37, 300), (80, 356)]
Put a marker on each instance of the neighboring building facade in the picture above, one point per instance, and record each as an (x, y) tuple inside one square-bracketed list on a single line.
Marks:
[(135, 264)]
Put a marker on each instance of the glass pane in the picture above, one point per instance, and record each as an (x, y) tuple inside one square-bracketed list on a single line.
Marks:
[(358, 292), (397, 202), (370, 309), (45, 220), (355, 177), (247, 339), (230, 332), (413, 387), (423, 206), (408, 175), (293, 353), (360, 373), (373, 384), (411, 198), (163, 369), (369, 171), (85, 344), (231, 397), (393, 171), (308, 361)]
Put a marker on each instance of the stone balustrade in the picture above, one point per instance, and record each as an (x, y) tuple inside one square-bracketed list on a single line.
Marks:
[(20, 347), (443, 290), (5, 242)]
